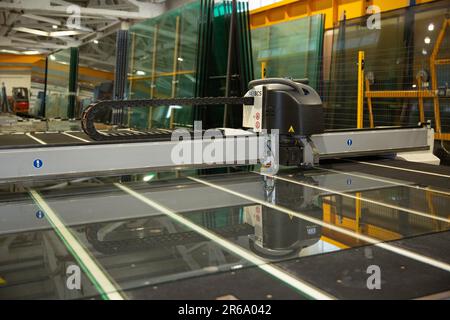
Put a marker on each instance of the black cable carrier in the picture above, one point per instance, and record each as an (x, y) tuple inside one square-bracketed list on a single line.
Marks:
[(90, 113)]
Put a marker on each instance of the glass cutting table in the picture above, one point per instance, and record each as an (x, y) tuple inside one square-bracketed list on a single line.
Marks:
[(230, 234)]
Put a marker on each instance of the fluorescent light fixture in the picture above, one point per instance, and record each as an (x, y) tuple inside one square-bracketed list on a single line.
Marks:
[(65, 33), (55, 26), (48, 34), (169, 112), (30, 52), (430, 27), (149, 177), (180, 59), (95, 41), (32, 31), (10, 51), (140, 73), (427, 40)]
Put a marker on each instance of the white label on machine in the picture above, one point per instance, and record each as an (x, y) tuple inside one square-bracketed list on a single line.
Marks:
[(252, 115)]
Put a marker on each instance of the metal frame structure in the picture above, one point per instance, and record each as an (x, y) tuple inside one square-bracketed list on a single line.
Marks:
[(288, 10), (434, 83), (105, 159), (419, 94), (26, 22)]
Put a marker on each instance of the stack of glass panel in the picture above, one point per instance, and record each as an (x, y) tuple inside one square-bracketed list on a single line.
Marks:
[(227, 70), (184, 53)]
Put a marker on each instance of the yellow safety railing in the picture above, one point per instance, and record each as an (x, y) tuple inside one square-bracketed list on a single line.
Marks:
[(418, 94)]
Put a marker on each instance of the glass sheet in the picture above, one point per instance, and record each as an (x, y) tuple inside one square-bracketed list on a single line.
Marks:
[(289, 49), (395, 55), (184, 53), (37, 91), (35, 263), (96, 72), (155, 71), (57, 96), (187, 229)]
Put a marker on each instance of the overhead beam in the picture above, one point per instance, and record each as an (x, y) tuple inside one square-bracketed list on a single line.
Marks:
[(43, 19), (333, 10), (151, 10)]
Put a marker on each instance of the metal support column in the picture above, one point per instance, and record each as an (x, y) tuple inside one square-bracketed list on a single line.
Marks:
[(153, 80), (175, 68), (230, 66), (360, 110), (369, 105), (44, 102), (121, 70), (73, 82)]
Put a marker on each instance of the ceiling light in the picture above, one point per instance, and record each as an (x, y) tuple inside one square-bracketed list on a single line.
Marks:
[(427, 40), (31, 52), (48, 34), (424, 52), (65, 33), (10, 51), (140, 73), (52, 57), (180, 59), (169, 111), (32, 31), (148, 177), (95, 41), (430, 27), (54, 26)]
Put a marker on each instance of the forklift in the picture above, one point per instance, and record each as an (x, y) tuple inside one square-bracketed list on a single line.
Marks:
[(19, 101)]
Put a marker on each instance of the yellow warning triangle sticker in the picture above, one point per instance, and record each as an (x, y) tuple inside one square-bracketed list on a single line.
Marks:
[(291, 130)]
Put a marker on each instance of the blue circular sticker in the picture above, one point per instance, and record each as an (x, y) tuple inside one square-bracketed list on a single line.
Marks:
[(40, 214), (38, 163), (349, 142)]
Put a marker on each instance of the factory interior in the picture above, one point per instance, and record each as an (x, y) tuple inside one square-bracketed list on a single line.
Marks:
[(225, 150)]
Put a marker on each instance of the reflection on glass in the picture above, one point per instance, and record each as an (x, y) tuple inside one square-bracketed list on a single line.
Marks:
[(163, 63), (139, 244), (396, 55), (37, 265), (280, 52), (37, 90), (57, 95), (96, 67)]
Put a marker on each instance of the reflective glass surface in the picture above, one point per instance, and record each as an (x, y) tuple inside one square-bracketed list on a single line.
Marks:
[(397, 52), (144, 230), (57, 95), (184, 53), (96, 68), (290, 49)]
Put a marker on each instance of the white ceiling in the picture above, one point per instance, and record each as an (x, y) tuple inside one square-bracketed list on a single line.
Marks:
[(32, 26)]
